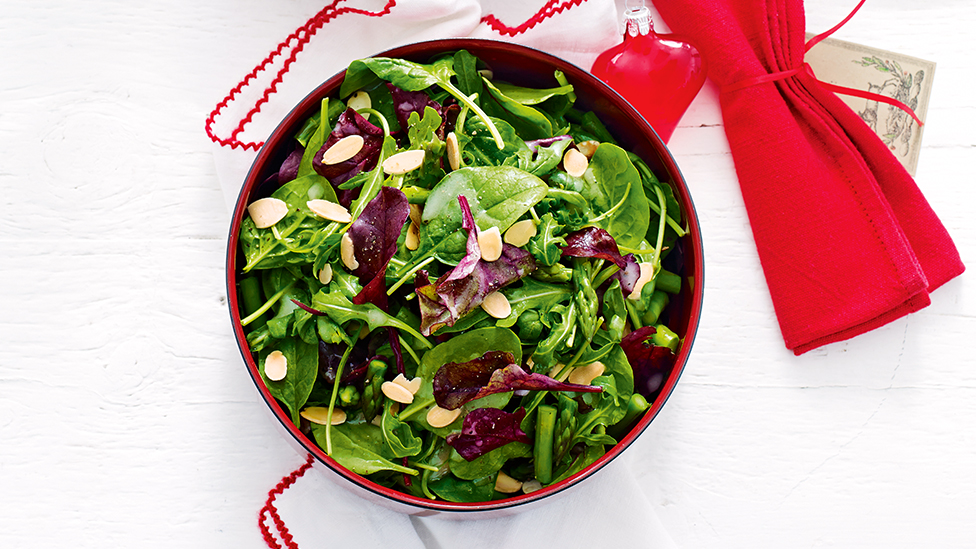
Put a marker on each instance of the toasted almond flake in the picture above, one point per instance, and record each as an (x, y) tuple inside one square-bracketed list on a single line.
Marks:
[(403, 162), (584, 375), (497, 305), (267, 211), (506, 484), (276, 366), (397, 392), (438, 417), (348, 253), (412, 238), (486, 73), (555, 370), (325, 274), (520, 233), (359, 101), (530, 486), (416, 213), (588, 148), (329, 210), (575, 163), (646, 273), (490, 242), (320, 415), (412, 385), (343, 149), (453, 151)]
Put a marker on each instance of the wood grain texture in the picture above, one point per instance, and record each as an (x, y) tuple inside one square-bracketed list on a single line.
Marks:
[(127, 420)]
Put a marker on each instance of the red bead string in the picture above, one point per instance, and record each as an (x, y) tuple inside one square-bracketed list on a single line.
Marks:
[(300, 37), (270, 511), (297, 40), (552, 7)]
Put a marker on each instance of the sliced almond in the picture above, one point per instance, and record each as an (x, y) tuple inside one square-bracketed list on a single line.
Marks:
[(359, 101), (575, 163), (343, 149), (506, 484), (520, 233), (647, 272), (497, 305), (403, 162), (397, 392), (329, 210), (412, 239), (555, 370), (438, 417), (530, 486), (487, 73), (412, 385), (275, 366), (416, 213), (584, 375), (267, 211), (453, 151), (325, 274), (490, 242), (320, 415), (588, 148), (348, 253)]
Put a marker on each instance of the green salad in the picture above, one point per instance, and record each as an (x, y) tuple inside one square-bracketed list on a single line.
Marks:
[(457, 286)]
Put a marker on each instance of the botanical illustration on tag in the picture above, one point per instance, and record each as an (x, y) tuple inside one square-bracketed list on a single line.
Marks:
[(906, 79)]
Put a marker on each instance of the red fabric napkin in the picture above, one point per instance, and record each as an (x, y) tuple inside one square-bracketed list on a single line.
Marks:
[(846, 239)]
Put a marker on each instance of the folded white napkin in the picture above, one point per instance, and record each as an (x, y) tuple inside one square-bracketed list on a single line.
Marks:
[(609, 507)]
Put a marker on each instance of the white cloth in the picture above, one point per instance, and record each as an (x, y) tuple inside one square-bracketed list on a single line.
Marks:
[(609, 507)]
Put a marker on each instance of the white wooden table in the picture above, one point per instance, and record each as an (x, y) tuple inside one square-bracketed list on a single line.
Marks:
[(126, 417)]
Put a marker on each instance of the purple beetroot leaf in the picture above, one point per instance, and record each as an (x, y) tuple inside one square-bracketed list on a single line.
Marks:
[(374, 237), (463, 288), (457, 383), (486, 429), (406, 102), (598, 243), (350, 123), (651, 364)]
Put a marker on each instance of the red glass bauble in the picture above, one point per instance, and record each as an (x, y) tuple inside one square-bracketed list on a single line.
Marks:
[(659, 74)]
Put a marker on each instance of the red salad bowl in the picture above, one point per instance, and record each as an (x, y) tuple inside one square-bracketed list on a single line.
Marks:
[(522, 66)]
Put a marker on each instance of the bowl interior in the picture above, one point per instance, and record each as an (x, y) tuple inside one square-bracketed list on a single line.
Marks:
[(527, 67)]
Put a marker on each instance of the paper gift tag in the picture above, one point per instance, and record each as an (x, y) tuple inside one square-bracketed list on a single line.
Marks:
[(895, 75)]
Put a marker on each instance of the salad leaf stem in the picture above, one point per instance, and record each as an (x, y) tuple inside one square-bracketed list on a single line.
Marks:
[(403, 279), (614, 209), (605, 275), (267, 305), (383, 122), (466, 101), (335, 393), (414, 407), (410, 351)]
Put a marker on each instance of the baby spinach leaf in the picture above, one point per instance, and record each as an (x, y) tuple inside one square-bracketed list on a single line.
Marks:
[(527, 121), (478, 148), (535, 295), (303, 363), (454, 489), (497, 195), (488, 463), (531, 96), (359, 448), (613, 179)]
